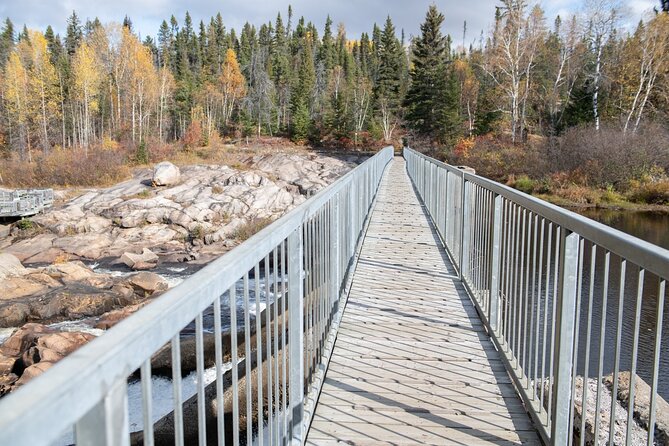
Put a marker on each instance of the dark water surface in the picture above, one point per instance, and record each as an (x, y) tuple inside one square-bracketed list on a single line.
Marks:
[(654, 228)]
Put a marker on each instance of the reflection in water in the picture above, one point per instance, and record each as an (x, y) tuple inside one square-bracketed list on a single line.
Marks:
[(650, 226), (654, 228)]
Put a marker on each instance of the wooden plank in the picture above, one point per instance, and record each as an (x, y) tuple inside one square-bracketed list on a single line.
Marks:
[(412, 363)]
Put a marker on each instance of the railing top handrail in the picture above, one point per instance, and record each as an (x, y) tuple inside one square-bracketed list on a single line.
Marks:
[(82, 379), (646, 255)]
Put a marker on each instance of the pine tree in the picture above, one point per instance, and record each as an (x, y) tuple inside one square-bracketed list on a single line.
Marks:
[(426, 101), (327, 53), (6, 41), (388, 85), (301, 125), (74, 34)]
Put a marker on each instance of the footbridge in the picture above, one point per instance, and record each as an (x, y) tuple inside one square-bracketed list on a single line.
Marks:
[(410, 302)]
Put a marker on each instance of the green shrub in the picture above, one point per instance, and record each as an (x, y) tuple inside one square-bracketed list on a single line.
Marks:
[(142, 155), (525, 184), (25, 224)]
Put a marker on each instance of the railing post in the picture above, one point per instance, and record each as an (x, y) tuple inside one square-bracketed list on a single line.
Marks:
[(495, 266), (107, 422), (334, 260), (352, 208), (564, 339), (296, 335), (465, 230)]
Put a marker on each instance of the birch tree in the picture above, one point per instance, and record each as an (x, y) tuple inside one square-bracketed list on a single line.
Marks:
[(86, 89), (601, 17), (44, 88), (232, 84), (653, 62), (16, 90)]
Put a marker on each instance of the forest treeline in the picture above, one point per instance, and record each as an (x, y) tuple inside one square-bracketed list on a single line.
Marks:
[(528, 77)]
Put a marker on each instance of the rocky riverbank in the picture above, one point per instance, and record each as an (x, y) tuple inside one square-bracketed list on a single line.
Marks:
[(188, 215), (584, 411)]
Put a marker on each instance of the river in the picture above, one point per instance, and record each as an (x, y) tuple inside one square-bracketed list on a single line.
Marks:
[(654, 228)]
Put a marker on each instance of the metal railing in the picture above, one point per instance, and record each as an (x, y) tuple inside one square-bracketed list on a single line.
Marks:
[(571, 303), (23, 203), (296, 269)]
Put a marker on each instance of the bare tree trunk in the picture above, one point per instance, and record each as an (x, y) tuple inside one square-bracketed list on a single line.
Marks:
[(595, 96)]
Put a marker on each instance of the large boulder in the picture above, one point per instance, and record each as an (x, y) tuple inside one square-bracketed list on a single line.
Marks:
[(29, 247), (16, 287), (33, 372), (10, 266), (73, 302), (166, 174), (63, 343), (23, 338), (146, 260), (14, 314), (108, 320), (146, 282)]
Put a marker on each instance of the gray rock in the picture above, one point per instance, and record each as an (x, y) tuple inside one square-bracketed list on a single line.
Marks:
[(148, 282), (146, 260), (30, 247), (10, 266), (166, 174)]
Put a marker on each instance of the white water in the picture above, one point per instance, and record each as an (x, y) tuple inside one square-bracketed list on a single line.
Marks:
[(161, 398), (5, 333)]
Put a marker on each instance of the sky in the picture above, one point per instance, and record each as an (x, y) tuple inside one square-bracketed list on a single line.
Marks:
[(357, 15)]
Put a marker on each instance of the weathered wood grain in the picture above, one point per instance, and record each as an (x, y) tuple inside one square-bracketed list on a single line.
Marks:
[(412, 363)]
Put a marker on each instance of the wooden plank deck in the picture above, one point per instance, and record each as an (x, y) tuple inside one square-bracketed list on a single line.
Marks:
[(412, 363)]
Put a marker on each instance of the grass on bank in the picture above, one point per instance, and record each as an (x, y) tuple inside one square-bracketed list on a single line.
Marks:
[(110, 162)]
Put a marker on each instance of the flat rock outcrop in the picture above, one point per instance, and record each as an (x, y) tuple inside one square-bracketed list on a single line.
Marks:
[(194, 206)]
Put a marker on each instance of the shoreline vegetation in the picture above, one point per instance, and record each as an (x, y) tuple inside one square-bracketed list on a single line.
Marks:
[(574, 105)]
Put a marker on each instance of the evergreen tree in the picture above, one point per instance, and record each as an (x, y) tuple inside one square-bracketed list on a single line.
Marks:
[(302, 91), (388, 85), (127, 23), (327, 53), (74, 34), (165, 38), (427, 99), (6, 41)]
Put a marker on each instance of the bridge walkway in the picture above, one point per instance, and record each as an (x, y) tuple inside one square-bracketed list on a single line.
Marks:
[(412, 363)]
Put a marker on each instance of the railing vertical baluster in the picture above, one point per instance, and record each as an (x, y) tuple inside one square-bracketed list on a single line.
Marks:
[(278, 415), (232, 294), (496, 265), (465, 233), (564, 345), (177, 391), (268, 342), (284, 325), (259, 361), (656, 358), (577, 335), (635, 352), (616, 356), (334, 259), (107, 422), (296, 336), (220, 395), (147, 402), (602, 341), (248, 361), (588, 333), (199, 358)]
